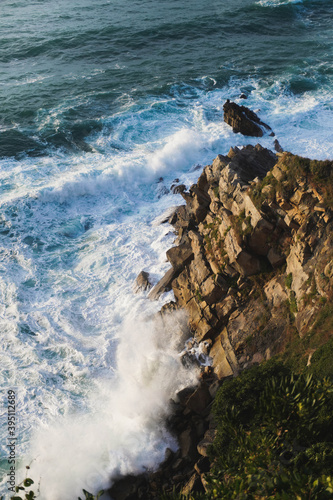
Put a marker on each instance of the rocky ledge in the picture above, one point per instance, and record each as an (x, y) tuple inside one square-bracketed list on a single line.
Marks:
[(252, 265)]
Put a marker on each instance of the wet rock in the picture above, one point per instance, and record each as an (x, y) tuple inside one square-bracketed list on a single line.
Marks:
[(180, 188), (243, 120), (200, 399), (278, 147), (127, 488), (164, 285), (142, 282)]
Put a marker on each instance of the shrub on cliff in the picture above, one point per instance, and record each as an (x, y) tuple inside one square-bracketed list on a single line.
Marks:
[(274, 437)]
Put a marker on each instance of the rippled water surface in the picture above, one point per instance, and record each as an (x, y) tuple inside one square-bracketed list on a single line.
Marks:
[(103, 105)]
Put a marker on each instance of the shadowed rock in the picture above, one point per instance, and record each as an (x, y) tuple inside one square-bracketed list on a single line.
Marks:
[(243, 120)]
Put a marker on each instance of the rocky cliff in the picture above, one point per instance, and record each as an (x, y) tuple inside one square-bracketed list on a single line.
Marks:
[(252, 265), (254, 253)]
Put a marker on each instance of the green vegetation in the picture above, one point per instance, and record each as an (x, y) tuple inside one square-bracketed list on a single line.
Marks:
[(289, 280), (315, 174), (297, 350), (274, 436), (23, 491)]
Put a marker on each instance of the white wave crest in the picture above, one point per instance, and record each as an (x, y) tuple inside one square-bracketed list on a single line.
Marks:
[(124, 431)]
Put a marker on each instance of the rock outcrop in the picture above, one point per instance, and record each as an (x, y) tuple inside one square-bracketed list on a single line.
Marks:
[(252, 265), (142, 282), (244, 121)]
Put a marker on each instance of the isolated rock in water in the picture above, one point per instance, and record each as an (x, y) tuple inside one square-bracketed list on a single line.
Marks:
[(178, 188), (277, 146), (243, 120), (142, 282)]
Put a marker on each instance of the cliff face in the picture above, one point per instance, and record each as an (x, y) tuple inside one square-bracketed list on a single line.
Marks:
[(252, 265), (254, 254)]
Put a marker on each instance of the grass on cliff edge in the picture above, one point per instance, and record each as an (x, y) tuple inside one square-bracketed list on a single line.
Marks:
[(274, 437), (317, 343), (317, 174)]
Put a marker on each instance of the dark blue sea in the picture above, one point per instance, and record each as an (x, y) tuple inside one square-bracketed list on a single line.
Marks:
[(103, 104)]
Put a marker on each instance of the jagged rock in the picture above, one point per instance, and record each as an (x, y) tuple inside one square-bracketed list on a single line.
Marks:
[(251, 162), (275, 258), (127, 488), (220, 362), (243, 323), (198, 269), (206, 442), (328, 271), (168, 307), (196, 242), (164, 285), (182, 288), (226, 307), (275, 293), (279, 171), (142, 282), (200, 399), (179, 256), (243, 120), (245, 263), (194, 485), (202, 465), (252, 211), (187, 443), (211, 291), (278, 147), (295, 266), (180, 188), (185, 394)]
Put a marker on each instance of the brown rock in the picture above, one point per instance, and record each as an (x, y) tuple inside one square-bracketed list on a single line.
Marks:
[(213, 292), (200, 399), (142, 282), (275, 293), (182, 288), (275, 259), (179, 188), (226, 307), (257, 358), (164, 285), (243, 120), (180, 256), (245, 263), (220, 362), (127, 488), (202, 465), (206, 442), (187, 443), (198, 269), (194, 485)]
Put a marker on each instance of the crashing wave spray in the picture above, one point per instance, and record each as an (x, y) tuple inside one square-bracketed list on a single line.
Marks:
[(123, 431)]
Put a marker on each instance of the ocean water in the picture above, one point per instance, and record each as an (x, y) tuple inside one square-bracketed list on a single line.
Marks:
[(102, 105)]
